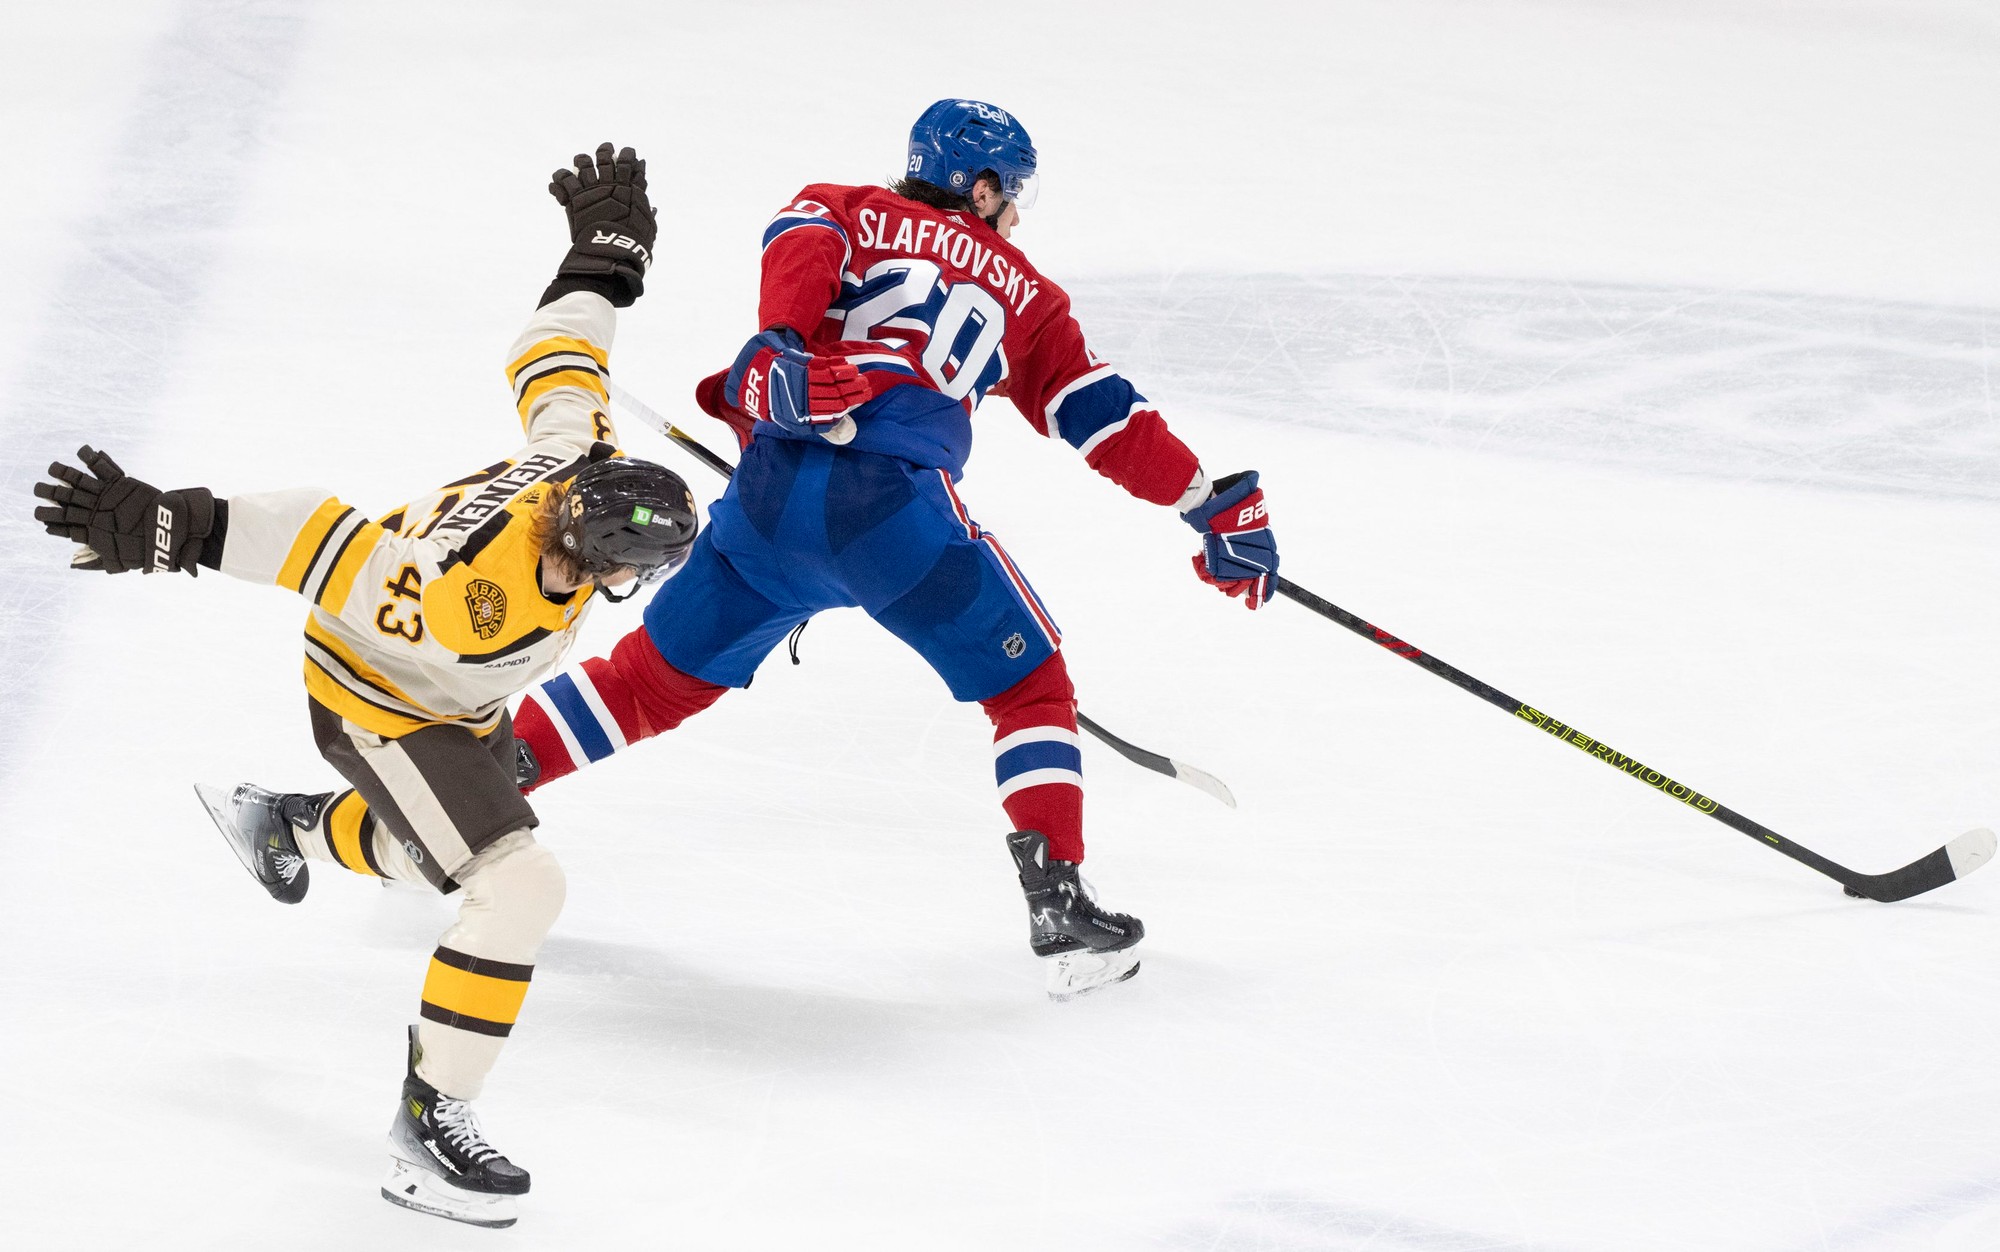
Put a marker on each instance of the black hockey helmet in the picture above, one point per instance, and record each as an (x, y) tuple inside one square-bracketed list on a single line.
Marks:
[(625, 513)]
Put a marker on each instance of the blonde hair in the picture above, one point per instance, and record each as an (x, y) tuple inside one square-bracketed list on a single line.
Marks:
[(546, 529)]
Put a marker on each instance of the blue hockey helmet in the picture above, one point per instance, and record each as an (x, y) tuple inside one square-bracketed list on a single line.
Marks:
[(955, 141)]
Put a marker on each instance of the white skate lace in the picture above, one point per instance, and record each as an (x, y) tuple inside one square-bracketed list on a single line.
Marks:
[(461, 1129)]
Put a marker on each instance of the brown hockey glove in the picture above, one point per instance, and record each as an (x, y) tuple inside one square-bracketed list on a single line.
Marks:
[(125, 524)]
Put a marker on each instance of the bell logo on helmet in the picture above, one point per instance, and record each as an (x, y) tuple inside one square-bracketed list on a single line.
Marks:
[(955, 141)]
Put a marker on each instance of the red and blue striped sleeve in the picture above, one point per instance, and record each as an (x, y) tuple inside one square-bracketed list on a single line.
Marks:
[(1067, 393)]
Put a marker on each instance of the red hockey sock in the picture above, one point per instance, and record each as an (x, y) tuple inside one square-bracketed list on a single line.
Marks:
[(1036, 761), (607, 703)]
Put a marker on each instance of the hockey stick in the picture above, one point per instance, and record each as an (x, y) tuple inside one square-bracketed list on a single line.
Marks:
[(1200, 780), (1953, 861)]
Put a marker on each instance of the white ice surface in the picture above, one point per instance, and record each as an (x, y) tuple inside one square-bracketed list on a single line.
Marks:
[(1636, 357)]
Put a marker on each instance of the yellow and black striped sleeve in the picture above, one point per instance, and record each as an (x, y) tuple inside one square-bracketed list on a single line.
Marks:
[(303, 540), (558, 370)]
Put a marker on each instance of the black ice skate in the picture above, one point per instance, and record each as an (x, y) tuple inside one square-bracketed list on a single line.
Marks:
[(440, 1162), (1087, 947), (258, 825)]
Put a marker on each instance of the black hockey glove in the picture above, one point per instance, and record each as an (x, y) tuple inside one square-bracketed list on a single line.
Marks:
[(126, 524), (611, 226)]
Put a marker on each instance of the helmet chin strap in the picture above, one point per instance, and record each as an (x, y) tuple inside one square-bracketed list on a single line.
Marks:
[(632, 589)]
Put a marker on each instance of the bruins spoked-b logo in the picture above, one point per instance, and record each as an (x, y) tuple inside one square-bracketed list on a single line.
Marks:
[(488, 605)]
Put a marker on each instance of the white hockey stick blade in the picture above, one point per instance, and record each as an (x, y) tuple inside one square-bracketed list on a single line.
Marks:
[(1970, 851), (1202, 780), (1078, 973)]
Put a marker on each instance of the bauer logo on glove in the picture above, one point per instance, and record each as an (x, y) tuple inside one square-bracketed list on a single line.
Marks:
[(123, 523), (1239, 554), (775, 380)]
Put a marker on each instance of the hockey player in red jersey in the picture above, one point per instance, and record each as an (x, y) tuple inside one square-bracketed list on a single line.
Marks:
[(886, 315)]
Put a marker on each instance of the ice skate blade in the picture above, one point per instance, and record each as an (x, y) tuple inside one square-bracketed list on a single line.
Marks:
[(1080, 972), (221, 811), (415, 1187), (226, 811)]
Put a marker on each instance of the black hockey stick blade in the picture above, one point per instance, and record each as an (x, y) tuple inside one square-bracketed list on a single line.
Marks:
[(1950, 863), (1199, 779)]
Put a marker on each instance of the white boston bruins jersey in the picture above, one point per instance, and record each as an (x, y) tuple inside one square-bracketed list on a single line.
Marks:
[(435, 614)]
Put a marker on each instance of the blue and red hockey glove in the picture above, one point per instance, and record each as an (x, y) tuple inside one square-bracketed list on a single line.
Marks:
[(1239, 554), (775, 379)]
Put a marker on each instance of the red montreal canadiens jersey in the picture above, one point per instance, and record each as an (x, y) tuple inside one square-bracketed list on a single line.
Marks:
[(918, 296)]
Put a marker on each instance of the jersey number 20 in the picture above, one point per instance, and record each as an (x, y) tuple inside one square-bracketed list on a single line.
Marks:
[(962, 322)]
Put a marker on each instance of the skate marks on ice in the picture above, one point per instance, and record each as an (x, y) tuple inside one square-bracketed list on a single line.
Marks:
[(1284, 1222), (1750, 386), (1961, 1215), (635, 997), (116, 311)]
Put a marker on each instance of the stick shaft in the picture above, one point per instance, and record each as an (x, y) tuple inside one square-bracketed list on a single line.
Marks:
[(1565, 733)]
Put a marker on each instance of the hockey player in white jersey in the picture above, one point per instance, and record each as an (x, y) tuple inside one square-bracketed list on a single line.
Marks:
[(423, 623)]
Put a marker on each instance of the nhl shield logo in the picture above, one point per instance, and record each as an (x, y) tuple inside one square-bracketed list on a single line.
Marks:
[(487, 604), (1014, 646)]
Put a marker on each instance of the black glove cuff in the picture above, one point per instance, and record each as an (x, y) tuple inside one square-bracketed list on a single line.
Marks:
[(211, 546), (607, 285)]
